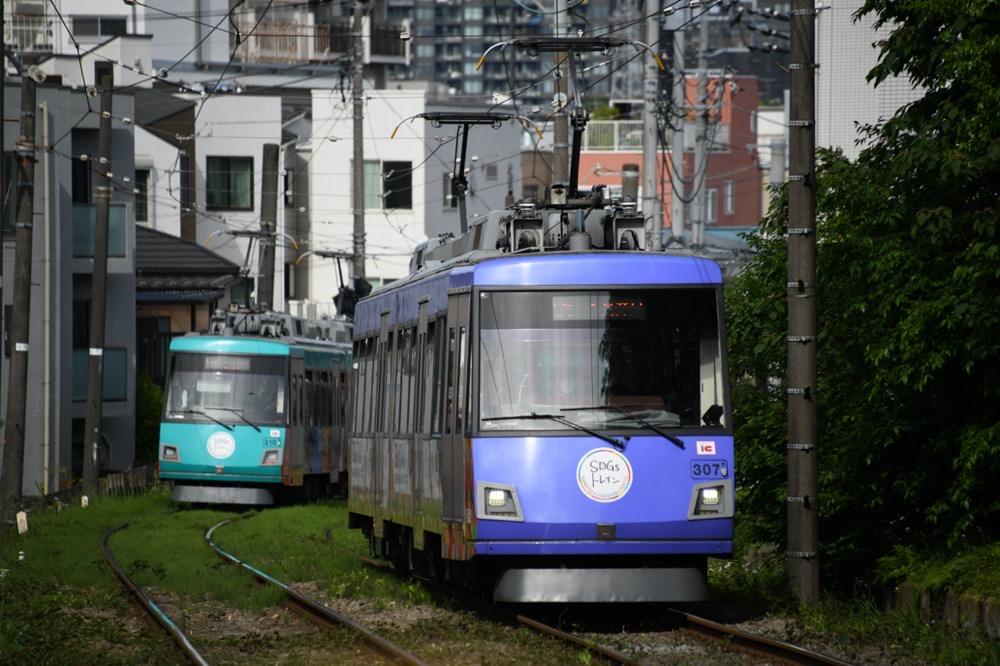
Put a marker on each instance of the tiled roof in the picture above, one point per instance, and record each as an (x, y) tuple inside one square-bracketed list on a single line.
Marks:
[(158, 254)]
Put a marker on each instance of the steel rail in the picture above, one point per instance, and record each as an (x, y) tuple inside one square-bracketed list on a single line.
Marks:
[(324, 614), (175, 632), (771, 647)]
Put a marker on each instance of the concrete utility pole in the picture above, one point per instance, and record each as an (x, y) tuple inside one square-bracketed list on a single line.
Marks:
[(357, 85), (98, 298), (803, 470), (13, 454), (677, 192), (701, 139), (652, 206), (560, 122), (268, 225), (3, 167)]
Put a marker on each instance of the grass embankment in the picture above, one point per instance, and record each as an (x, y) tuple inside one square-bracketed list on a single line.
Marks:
[(757, 579), (60, 603)]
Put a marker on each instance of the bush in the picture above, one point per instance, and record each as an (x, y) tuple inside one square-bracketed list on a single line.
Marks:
[(148, 406)]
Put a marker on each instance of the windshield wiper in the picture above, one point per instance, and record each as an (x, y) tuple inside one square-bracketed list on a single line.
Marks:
[(207, 416), (673, 439), (558, 418), (237, 412)]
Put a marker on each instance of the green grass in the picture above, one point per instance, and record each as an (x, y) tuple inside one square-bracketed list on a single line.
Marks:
[(972, 571), (61, 603), (63, 587), (756, 582)]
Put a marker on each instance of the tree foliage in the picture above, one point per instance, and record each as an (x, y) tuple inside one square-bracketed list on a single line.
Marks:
[(908, 283)]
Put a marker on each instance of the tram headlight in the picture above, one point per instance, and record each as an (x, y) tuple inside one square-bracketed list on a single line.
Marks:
[(271, 457), (711, 499), (497, 501), (169, 453)]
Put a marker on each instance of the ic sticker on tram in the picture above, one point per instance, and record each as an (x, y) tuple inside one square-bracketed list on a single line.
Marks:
[(706, 448)]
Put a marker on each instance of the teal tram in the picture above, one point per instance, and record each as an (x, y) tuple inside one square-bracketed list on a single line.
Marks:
[(253, 410)]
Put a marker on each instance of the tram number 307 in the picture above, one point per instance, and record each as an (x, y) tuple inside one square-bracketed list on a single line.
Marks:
[(709, 469)]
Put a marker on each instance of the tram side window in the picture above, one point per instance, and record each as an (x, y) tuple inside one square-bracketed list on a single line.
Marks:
[(308, 394), (440, 356), (405, 421), (450, 396), (384, 385), (463, 368), (397, 381), (359, 413), (404, 375), (426, 376)]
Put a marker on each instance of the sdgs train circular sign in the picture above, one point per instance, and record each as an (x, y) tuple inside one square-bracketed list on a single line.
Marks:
[(604, 475)]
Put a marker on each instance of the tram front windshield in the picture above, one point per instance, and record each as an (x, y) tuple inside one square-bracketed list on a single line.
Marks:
[(602, 359), (226, 388)]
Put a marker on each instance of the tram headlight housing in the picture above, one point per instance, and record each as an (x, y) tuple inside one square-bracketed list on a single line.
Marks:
[(711, 499), (497, 501), (170, 453), (271, 457)]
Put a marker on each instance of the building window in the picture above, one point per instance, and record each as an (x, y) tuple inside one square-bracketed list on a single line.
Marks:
[(80, 177), (141, 195), (10, 171), (448, 197), (373, 185), (99, 26), (229, 183), (114, 377), (185, 182), (729, 196), (711, 206), (397, 183), (388, 185)]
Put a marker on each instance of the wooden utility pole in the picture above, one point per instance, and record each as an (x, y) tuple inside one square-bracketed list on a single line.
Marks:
[(13, 454), (803, 470), (357, 71), (98, 298), (268, 226)]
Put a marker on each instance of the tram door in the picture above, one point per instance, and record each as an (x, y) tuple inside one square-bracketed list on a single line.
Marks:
[(456, 404)]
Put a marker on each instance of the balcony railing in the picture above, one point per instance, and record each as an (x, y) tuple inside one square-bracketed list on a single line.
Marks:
[(294, 43), (613, 135), (627, 135), (26, 33), (285, 42)]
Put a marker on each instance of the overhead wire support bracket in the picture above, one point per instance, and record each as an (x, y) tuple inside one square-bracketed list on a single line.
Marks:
[(602, 45), (459, 183)]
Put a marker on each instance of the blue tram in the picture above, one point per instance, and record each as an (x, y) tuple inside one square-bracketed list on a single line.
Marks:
[(541, 410), (254, 410)]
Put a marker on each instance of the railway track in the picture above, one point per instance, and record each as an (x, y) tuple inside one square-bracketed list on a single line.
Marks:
[(685, 629), (757, 648), (296, 601), (762, 646)]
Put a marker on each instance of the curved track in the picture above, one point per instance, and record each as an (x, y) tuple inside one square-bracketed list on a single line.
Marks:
[(179, 637), (295, 600), (316, 611)]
